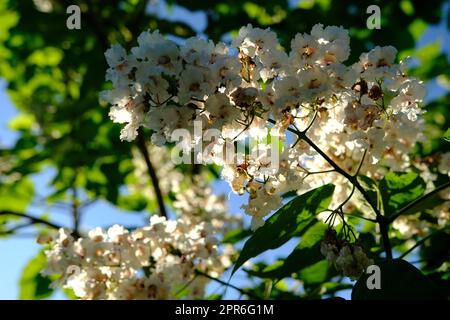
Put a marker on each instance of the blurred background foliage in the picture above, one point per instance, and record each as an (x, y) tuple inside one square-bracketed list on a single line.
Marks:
[(54, 76)]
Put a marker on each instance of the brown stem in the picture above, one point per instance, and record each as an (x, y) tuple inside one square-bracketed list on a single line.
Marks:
[(151, 171), (75, 213)]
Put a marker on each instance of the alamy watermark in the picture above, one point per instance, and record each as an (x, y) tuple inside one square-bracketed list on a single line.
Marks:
[(374, 20), (208, 146), (74, 20), (374, 280)]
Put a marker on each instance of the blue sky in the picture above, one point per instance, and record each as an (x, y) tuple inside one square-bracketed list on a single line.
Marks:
[(15, 252)]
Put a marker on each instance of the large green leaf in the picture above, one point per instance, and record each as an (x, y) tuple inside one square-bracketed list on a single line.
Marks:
[(399, 280), (289, 221), (305, 254), (235, 236), (315, 274), (399, 188), (427, 201), (370, 186), (373, 193), (33, 285)]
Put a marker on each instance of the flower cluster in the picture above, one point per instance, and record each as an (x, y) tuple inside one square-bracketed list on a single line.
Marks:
[(347, 258), (159, 261), (158, 83), (199, 203), (365, 116)]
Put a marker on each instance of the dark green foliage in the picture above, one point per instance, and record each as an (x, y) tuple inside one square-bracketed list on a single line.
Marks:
[(399, 280)]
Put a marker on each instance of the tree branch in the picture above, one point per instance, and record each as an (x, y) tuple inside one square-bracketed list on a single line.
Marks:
[(31, 218), (75, 212), (382, 221), (151, 171), (15, 228)]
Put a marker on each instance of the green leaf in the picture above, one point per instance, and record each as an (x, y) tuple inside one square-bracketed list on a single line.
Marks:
[(235, 236), (214, 296), (289, 221), (32, 284), (46, 57), (305, 254), (417, 28), (68, 292), (429, 52), (428, 201), (407, 7), (16, 196), (23, 122), (289, 194), (370, 186), (447, 135), (373, 192), (398, 189), (399, 280), (315, 274), (133, 202)]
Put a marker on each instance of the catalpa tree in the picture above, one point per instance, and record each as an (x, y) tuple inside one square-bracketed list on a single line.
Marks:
[(329, 147)]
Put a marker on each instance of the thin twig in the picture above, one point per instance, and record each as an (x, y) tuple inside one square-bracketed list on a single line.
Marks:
[(360, 163), (311, 123), (418, 200), (31, 218), (418, 243), (242, 291), (361, 217), (15, 228)]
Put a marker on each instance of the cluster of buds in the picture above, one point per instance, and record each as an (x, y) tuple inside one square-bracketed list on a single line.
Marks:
[(347, 258)]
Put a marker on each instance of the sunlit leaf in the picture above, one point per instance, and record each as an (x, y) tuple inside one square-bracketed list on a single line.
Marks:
[(398, 189), (32, 284), (289, 221)]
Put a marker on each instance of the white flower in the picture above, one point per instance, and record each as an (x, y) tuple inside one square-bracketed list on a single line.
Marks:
[(252, 41), (304, 50), (260, 204), (274, 63), (149, 81), (444, 163), (193, 84), (334, 43), (111, 267), (197, 52), (314, 84), (115, 55), (411, 93), (378, 63), (220, 109)]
